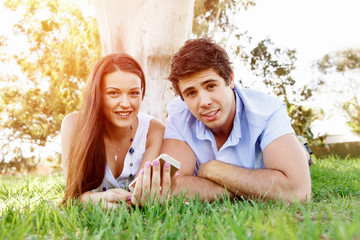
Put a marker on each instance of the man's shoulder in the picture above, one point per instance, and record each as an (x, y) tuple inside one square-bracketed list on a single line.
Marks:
[(258, 106), (180, 115), (256, 97), (180, 123), (177, 105)]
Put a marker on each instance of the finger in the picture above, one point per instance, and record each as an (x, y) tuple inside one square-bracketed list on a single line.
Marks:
[(146, 182), (133, 183), (129, 203), (155, 180), (125, 196), (166, 181), (109, 196), (175, 180), (136, 197), (117, 194), (109, 205)]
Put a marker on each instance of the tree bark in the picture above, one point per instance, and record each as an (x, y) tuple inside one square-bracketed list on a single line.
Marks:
[(151, 31)]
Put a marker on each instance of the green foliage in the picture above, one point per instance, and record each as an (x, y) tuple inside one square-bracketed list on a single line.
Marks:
[(29, 210), (218, 20), (211, 16), (62, 47), (3, 43), (18, 161), (343, 62), (352, 109), (340, 61), (275, 66)]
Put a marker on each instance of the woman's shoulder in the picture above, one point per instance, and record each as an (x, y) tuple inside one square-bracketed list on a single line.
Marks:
[(69, 122), (155, 133), (71, 117), (68, 130), (154, 123), (156, 128)]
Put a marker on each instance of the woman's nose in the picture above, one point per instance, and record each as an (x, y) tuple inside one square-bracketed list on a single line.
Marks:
[(124, 101)]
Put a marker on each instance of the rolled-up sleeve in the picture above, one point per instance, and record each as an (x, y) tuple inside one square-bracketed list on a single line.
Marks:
[(278, 124)]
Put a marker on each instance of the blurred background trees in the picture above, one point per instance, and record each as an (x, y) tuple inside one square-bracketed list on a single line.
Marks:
[(275, 67), (61, 44), (342, 73)]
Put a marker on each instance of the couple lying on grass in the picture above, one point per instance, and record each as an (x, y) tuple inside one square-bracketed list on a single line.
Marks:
[(230, 141)]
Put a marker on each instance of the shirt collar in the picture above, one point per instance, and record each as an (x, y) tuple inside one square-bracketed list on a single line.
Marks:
[(204, 133)]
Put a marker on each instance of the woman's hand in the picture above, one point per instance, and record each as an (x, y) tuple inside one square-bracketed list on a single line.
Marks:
[(150, 185), (108, 198)]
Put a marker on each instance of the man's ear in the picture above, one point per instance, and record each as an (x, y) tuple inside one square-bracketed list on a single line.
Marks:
[(231, 81)]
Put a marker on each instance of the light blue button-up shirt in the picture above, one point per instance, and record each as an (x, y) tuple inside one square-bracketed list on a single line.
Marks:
[(259, 120)]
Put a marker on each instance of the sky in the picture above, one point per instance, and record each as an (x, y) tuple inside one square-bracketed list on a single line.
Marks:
[(312, 27)]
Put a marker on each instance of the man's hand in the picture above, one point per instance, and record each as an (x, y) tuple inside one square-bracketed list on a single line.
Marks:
[(216, 171), (208, 169)]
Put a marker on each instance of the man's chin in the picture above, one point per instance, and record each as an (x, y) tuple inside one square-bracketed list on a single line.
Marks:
[(213, 125)]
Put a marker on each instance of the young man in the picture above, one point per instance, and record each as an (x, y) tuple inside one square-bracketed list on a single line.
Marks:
[(235, 140)]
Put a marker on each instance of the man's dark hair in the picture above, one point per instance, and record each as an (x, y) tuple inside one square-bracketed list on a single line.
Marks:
[(196, 55)]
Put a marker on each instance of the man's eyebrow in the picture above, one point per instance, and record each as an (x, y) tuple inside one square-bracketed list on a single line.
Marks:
[(187, 89), (208, 81), (202, 84)]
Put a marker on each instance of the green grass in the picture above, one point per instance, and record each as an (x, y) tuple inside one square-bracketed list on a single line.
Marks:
[(28, 209)]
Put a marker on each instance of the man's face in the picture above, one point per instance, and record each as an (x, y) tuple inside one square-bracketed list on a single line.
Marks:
[(209, 99)]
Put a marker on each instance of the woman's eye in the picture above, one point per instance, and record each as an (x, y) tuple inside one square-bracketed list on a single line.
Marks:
[(113, 94), (135, 93)]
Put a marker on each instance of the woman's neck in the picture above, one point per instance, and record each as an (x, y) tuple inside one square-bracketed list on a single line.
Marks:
[(118, 134)]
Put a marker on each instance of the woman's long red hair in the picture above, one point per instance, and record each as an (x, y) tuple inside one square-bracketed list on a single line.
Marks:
[(87, 159)]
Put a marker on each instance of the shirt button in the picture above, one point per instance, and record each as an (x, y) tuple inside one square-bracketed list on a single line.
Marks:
[(131, 164)]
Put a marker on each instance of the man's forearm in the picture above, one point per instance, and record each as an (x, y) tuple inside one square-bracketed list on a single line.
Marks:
[(262, 183), (193, 185)]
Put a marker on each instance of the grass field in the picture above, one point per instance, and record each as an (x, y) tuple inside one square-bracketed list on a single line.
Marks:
[(28, 209)]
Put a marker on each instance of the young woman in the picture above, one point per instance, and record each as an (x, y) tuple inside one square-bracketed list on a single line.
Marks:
[(108, 140)]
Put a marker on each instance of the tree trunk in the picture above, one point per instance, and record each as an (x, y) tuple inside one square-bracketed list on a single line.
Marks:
[(151, 31)]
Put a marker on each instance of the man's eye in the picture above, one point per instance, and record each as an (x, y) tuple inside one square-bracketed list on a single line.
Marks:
[(190, 93), (211, 86)]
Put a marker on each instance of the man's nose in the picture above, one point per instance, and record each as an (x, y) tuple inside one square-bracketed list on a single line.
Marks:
[(205, 99)]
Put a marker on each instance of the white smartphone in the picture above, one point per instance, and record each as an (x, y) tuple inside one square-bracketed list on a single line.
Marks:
[(175, 166)]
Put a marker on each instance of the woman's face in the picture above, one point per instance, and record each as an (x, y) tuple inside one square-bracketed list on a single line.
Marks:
[(122, 97)]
